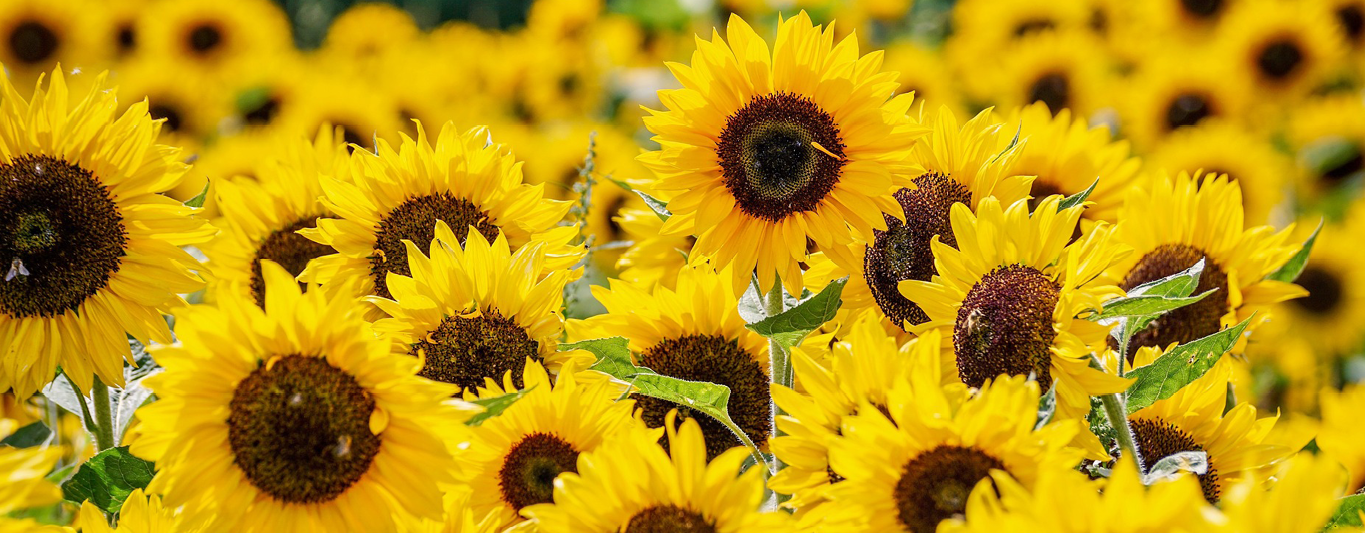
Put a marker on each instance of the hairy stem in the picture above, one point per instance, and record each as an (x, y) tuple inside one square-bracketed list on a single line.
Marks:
[(1114, 409), (104, 419)]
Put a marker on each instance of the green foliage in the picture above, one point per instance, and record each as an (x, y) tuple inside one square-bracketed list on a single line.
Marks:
[(108, 478), (1047, 407), (1291, 269), (198, 200), (613, 359), (1078, 198), (1348, 513), (1157, 297), (28, 436), (789, 327), (1180, 366), (496, 405)]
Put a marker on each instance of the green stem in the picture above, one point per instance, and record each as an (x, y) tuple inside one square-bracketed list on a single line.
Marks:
[(780, 366), (1114, 409), (104, 420)]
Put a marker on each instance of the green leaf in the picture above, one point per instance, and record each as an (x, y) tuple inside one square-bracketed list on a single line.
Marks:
[(1328, 153), (658, 206), (1078, 198), (1013, 143), (1178, 285), (1348, 513), (198, 200), (496, 405), (1146, 305), (108, 478), (1047, 406), (1291, 269), (1178, 367), (28, 436), (712, 399), (252, 99), (1171, 466), (789, 327)]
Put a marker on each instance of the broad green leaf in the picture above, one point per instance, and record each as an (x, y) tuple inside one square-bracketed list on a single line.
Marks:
[(1078, 198), (198, 200), (613, 359), (108, 478), (496, 405), (791, 326), (1328, 153), (1146, 305), (1348, 513), (1047, 406), (1178, 285), (1291, 269), (28, 436), (1178, 367)]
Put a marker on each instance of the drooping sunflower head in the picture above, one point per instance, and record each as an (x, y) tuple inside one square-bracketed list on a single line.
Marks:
[(1220, 147), (265, 214), (1173, 223), (514, 459), (1287, 49), (692, 332), (912, 467), (635, 486), (1192, 419), (859, 372), (88, 244), (759, 156), (397, 195), (476, 313), (295, 414), (211, 34), (1009, 293)]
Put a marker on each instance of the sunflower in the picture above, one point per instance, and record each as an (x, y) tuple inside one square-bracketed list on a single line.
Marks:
[(1173, 223), (651, 255), (1064, 70), (1191, 23), (209, 33), (981, 28), (91, 245), (477, 312), (863, 366), (1341, 432), (557, 81), (237, 157), (634, 485), (265, 87), (1285, 48), (294, 416), (326, 97), (1192, 419), (398, 195), (35, 35), (1350, 16), (514, 458), (192, 105), (1009, 299), (1066, 501), (1067, 156), (763, 156), (913, 466), (140, 513), (960, 163), (365, 30), (925, 73), (1177, 88), (24, 472), (1335, 123), (263, 216), (1221, 147), (693, 332), (1302, 499), (1330, 317), (119, 29)]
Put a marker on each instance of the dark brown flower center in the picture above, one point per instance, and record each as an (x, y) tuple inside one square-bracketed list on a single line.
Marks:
[(1188, 323), (669, 519), (1052, 89), (415, 220), (61, 236), (169, 112), (1005, 326), (1187, 110), (1202, 9), (714, 359), (1324, 290), (33, 42), (530, 468), (126, 38), (464, 351), (902, 251), (1345, 168), (291, 250), (351, 135), (1156, 439), (1279, 59), (1031, 26), (768, 158), (1352, 20), (261, 114), (204, 38), (300, 429), (934, 485)]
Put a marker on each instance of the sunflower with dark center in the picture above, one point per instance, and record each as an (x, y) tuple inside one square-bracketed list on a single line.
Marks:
[(268, 215), (1192, 419), (211, 34), (86, 264), (1174, 93), (397, 195), (1172, 224), (1285, 49), (1330, 316), (692, 332), (516, 457), (781, 163), (637, 487), (494, 310), (302, 433), (857, 374), (911, 471), (33, 42)]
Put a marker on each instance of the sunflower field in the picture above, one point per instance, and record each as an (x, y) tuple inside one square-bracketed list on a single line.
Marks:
[(682, 266)]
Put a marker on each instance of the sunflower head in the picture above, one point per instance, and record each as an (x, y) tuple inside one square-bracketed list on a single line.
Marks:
[(759, 157)]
